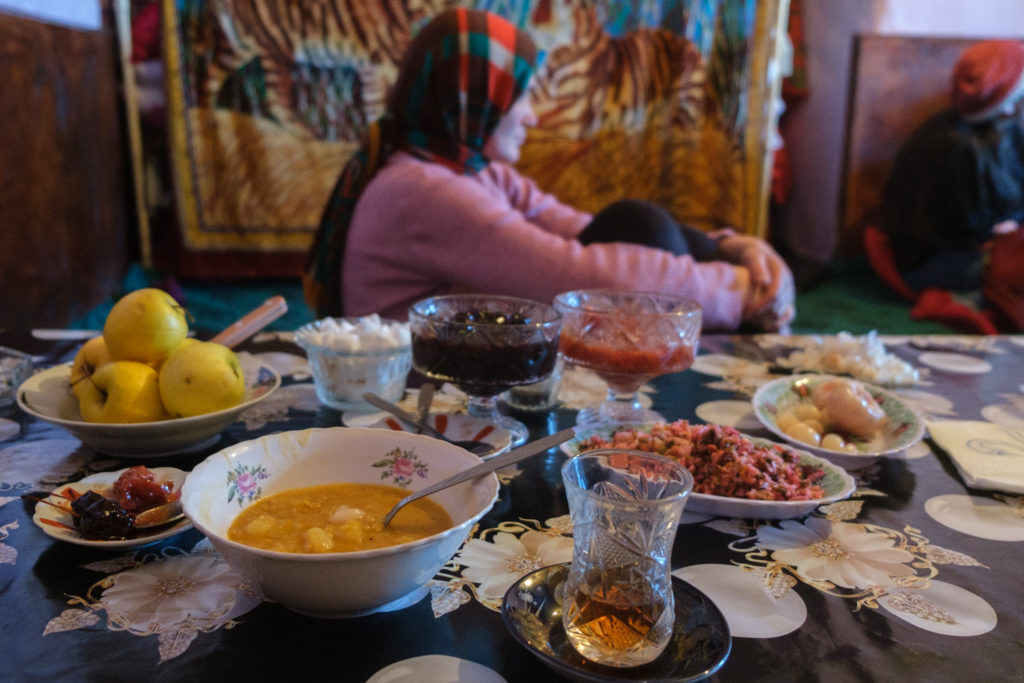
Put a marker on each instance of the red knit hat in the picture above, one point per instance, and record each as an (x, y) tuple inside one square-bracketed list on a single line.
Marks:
[(988, 75)]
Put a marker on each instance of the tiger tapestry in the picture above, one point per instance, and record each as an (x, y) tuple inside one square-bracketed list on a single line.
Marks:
[(668, 100)]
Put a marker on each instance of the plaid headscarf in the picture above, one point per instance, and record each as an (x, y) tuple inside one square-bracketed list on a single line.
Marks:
[(458, 77)]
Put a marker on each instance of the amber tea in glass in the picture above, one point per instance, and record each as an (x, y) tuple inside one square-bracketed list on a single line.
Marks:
[(618, 607)]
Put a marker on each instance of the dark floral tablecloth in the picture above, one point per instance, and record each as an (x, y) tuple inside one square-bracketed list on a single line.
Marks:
[(915, 577)]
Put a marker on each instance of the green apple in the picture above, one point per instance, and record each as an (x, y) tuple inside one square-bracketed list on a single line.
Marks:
[(93, 354), (201, 378), (145, 326), (121, 391)]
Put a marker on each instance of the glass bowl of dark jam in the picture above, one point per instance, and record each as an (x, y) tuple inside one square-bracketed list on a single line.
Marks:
[(485, 344)]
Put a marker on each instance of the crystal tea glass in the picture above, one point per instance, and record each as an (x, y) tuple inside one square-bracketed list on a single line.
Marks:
[(627, 338), (542, 395), (618, 608), (485, 344)]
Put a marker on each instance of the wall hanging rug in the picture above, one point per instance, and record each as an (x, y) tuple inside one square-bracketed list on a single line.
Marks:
[(669, 101)]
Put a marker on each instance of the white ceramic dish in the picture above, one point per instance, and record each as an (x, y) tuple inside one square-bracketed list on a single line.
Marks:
[(436, 669), (457, 427), (47, 396), (904, 426), (59, 525), (343, 584), (837, 483)]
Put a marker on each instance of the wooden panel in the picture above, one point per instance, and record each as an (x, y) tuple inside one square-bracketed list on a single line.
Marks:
[(63, 193), (897, 83)]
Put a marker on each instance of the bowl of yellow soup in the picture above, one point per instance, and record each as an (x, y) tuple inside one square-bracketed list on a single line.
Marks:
[(298, 514)]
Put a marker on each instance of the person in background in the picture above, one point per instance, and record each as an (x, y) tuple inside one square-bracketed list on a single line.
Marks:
[(954, 202), (431, 204)]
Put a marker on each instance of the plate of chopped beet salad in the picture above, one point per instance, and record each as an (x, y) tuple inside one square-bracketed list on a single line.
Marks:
[(734, 475)]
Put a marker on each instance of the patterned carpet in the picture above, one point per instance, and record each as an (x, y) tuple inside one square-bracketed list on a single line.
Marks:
[(848, 298)]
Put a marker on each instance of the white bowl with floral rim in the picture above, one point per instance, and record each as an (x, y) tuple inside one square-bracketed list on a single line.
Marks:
[(339, 584), (455, 426)]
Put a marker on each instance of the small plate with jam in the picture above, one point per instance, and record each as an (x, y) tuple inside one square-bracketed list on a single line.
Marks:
[(54, 516)]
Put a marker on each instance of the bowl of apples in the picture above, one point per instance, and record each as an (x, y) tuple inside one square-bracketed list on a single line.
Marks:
[(143, 388)]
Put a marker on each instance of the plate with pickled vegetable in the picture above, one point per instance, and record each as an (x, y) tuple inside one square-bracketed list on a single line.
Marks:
[(128, 508), (850, 423), (734, 475)]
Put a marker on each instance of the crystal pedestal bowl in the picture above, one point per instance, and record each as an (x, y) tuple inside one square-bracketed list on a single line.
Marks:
[(627, 338), (485, 344)]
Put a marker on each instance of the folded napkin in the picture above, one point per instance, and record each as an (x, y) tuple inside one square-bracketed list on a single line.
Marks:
[(988, 456)]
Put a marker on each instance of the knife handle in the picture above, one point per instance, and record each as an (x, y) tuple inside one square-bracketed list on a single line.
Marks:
[(252, 322)]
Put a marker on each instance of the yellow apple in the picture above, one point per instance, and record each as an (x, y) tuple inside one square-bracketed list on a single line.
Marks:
[(160, 363), (121, 391), (201, 378), (145, 326), (93, 354)]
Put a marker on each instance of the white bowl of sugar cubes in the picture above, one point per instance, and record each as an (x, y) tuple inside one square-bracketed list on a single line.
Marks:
[(351, 356)]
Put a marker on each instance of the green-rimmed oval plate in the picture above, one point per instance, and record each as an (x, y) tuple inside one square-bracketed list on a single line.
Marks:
[(904, 426)]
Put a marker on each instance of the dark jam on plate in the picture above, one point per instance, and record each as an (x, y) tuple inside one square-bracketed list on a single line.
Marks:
[(484, 360), (100, 518)]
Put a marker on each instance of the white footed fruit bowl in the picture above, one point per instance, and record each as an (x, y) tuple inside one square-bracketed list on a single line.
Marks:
[(47, 396)]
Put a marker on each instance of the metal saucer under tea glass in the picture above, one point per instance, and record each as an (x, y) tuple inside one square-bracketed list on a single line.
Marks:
[(532, 611)]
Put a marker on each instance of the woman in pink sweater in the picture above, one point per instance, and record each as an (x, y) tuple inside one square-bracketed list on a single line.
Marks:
[(431, 204)]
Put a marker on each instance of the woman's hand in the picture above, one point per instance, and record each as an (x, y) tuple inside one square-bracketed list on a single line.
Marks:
[(766, 267), (769, 302), (776, 316)]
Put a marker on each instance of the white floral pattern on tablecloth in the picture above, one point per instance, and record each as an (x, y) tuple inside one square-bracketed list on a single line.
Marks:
[(274, 408), (44, 464), (493, 559), (941, 608), (736, 375), (448, 398), (286, 364), (40, 465), (582, 388), (8, 429), (838, 553), (8, 553), (865, 563), (174, 596)]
